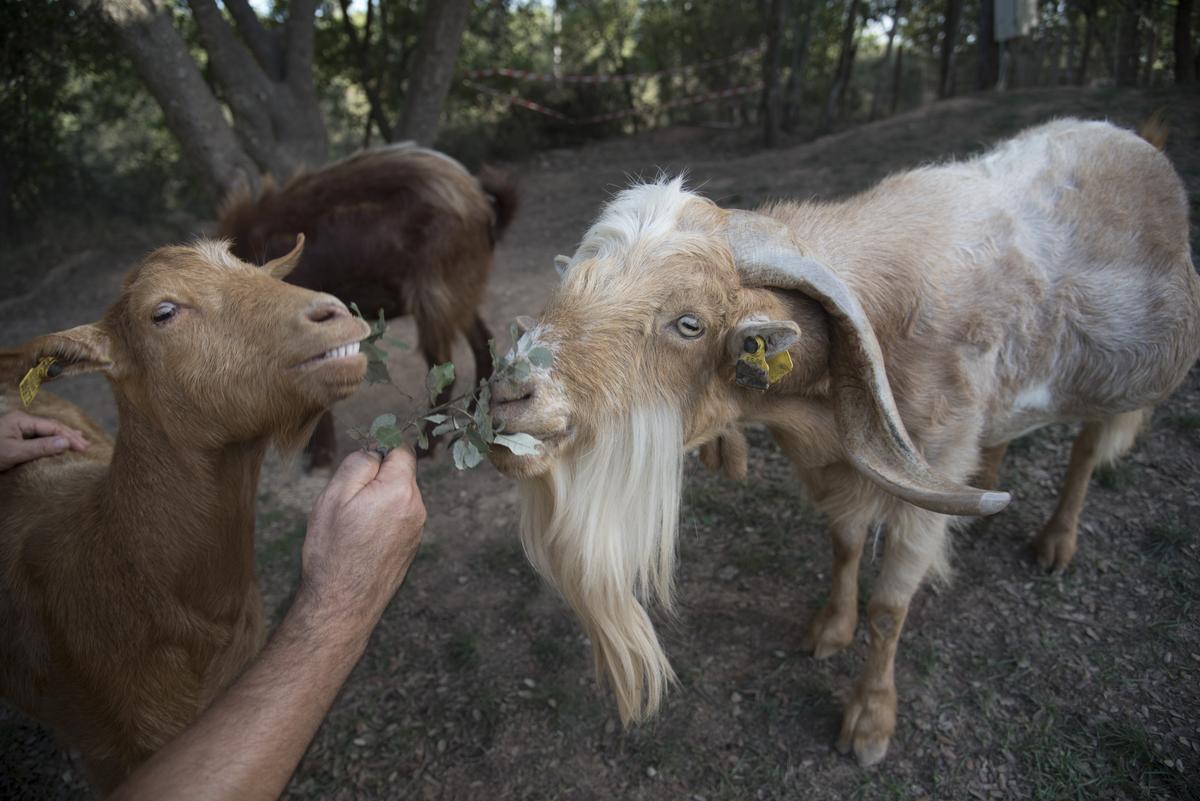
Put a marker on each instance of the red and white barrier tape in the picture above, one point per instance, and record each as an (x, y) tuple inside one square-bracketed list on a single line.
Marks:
[(614, 115), (543, 77)]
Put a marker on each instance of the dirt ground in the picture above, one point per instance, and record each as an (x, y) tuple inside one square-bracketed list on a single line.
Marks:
[(478, 683)]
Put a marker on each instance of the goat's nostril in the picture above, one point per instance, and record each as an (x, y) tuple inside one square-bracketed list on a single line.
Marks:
[(324, 312)]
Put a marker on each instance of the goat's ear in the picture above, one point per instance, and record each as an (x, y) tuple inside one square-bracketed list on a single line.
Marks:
[(279, 268), (777, 335), (83, 349)]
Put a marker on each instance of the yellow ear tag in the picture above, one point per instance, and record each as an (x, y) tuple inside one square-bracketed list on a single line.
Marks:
[(778, 366), (775, 367), (32, 381), (758, 357)]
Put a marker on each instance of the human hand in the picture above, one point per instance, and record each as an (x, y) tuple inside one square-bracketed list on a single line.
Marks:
[(363, 534), (24, 437)]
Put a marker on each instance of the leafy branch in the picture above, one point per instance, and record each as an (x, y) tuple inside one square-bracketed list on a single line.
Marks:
[(465, 419)]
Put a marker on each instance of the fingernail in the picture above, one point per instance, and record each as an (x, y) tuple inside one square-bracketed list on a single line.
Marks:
[(60, 443)]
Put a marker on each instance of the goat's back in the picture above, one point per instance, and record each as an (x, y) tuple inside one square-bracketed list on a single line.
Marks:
[(1056, 267), (386, 228)]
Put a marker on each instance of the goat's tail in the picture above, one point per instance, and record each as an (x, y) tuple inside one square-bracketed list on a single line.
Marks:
[(1154, 128), (1118, 433), (498, 186)]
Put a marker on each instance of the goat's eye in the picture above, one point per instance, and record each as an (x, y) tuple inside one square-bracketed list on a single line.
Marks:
[(689, 326), (164, 312)]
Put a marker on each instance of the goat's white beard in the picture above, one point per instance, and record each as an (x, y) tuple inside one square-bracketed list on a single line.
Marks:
[(601, 527)]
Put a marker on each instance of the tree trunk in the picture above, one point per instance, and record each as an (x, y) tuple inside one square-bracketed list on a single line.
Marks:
[(148, 38), (795, 82), (896, 80), (1125, 70), (1185, 68), (277, 123), (881, 77), (429, 82), (989, 51), (772, 63), (370, 84), (949, 43), (1089, 26), (841, 75)]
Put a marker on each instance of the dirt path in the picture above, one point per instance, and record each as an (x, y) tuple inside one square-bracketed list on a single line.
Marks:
[(477, 685)]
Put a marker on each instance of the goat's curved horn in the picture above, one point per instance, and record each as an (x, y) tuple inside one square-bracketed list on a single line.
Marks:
[(876, 441), (280, 267)]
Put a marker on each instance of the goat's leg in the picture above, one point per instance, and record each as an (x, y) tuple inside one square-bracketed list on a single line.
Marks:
[(990, 462), (916, 539), (1100, 442), (322, 447), (478, 337), (832, 627)]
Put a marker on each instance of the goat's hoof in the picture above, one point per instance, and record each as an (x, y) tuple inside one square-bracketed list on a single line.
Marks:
[(1055, 547), (867, 725), (830, 631)]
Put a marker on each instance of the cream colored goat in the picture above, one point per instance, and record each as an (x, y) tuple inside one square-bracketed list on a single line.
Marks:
[(931, 320)]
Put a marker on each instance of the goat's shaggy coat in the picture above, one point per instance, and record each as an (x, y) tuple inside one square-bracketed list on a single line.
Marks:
[(931, 320), (399, 228)]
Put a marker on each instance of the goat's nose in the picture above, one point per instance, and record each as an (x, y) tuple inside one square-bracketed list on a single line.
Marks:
[(326, 310), (507, 390)]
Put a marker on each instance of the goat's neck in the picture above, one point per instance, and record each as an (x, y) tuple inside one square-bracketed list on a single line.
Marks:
[(188, 514)]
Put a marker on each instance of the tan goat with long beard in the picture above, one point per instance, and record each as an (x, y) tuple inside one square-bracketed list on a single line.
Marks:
[(931, 320), (128, 596)]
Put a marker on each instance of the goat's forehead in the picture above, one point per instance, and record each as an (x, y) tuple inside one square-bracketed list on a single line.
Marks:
[(202, 262)]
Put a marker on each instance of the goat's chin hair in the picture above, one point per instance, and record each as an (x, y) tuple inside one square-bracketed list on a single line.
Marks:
[(601, 526)]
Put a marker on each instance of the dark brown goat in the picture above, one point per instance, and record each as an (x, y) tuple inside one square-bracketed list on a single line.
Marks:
[(399, 228)]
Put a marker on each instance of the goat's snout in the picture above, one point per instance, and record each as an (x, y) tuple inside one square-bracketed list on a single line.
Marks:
[(326, 310), (505, 390)]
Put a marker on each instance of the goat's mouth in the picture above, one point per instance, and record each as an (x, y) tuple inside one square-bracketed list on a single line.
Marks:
[(551, 447), (340, 353), (334, 374)]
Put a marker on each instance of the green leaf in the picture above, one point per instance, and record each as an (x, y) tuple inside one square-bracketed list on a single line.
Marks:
[(373, 352), (389, 436), (445, 428), (492, 351), (482, 416), (439, 377), (422, 439), (514, 334), (377, 373), (436, 418), (382, 420), (541, 356), (520, 371), (466, 454), (519, 444), (354, 308)]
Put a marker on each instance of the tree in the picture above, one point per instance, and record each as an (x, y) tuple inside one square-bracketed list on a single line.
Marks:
[(263, 76), (1125, 70), (772, 61), (989, 52), (949, 43), (881, 77), (1185, 67), (845, 66), (801, 36), (429, 83)]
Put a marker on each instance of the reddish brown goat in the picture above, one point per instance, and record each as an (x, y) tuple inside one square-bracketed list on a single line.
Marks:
[(128, 598), (399, 228)]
